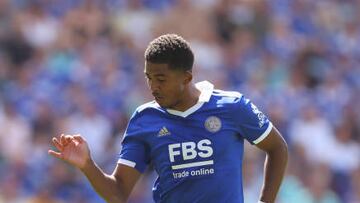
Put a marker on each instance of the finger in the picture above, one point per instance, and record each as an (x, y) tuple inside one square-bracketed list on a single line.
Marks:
[(65, 139), (79, 138), (62, 139), (55, 154), (68, 139), (57, 144)]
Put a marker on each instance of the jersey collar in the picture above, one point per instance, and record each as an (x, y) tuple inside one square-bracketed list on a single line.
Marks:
[(206, 89)]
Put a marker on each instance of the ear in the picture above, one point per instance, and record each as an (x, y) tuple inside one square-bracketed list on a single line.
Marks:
[(187, 77)]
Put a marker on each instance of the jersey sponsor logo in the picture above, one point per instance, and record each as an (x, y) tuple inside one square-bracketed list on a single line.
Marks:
[(163, 132), (213, 124), (260, 115), (189, 151)]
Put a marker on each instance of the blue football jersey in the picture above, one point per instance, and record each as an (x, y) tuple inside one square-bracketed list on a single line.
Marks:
[(197, 154)]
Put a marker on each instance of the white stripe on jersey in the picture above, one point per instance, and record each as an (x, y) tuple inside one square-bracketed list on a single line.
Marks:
[(127, 162), (265, 134), (193, 164)]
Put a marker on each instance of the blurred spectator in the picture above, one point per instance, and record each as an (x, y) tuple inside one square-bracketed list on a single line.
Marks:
[(318, 182), (15, 134), (39, 28), (355, 194), (252, 173), (10, 191), (44, 196), (94, 127), (293, 188), (345, 155), (314, 134)]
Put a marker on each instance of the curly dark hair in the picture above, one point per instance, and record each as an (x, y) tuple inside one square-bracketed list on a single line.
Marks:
[(170, 49)]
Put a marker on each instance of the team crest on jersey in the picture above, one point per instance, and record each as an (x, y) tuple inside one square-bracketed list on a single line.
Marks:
[(213, 124)]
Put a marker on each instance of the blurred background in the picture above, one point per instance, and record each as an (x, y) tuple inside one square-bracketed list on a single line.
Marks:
[(71, 67)]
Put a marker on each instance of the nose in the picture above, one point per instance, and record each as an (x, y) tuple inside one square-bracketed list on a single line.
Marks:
[(154, 86)]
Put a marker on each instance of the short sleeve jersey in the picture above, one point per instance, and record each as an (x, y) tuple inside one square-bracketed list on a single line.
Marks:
[(197, 154)]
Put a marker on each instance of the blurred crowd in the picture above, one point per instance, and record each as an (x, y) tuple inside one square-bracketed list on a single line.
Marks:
[(73, 67)]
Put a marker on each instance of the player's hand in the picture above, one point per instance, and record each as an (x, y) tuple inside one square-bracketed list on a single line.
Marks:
[(72, 149)]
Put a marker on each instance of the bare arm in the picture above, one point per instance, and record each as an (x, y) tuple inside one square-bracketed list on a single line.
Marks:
[(114, 188), (275, 164)]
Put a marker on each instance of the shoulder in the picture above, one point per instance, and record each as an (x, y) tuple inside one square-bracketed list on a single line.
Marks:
[(142, 119), (147, 106), (227, 98), (145, 111), (233, 102)]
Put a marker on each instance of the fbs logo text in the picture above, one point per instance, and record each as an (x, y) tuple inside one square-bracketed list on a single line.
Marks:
[(189, 151)]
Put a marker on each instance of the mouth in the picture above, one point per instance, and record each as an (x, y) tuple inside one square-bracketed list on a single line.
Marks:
[(157, 97)]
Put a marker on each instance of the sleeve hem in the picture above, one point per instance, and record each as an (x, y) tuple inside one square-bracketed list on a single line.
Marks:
[(126, 162), (264, 135)]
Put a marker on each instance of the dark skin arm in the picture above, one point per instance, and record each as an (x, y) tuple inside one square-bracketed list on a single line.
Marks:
[(114, 188), (275, 164)]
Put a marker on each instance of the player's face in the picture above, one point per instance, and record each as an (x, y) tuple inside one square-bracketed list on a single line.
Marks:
[(166, 85)]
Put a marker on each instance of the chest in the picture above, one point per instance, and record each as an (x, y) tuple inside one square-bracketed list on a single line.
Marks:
[(198, 138)]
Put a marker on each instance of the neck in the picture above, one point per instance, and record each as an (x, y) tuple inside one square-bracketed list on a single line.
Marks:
[(189, 98)]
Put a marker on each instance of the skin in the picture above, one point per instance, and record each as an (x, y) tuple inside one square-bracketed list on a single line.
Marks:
[(276, 151), (171, 89)]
